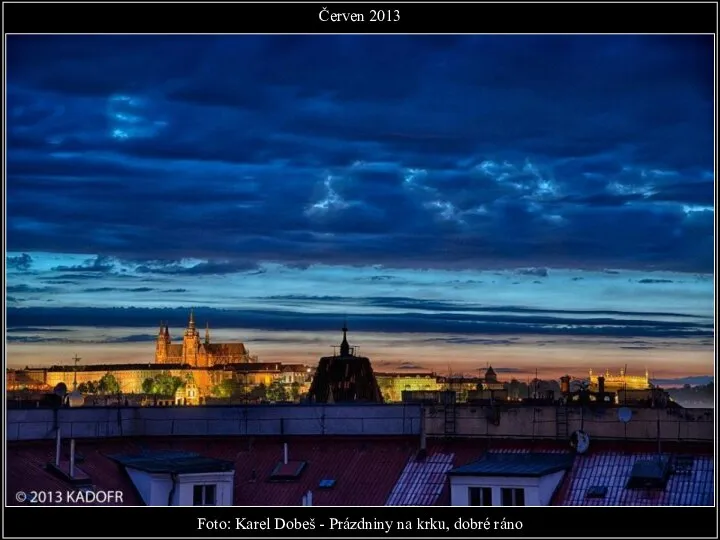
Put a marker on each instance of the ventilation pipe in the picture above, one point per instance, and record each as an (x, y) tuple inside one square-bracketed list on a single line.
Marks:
[(285, 453), (72, 458), (57, 448), (308, 498)]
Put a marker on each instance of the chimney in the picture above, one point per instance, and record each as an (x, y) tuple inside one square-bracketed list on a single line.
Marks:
[(72, 458), (57, 448), (601, 388), (565, 384), (308, 498), (285, 453), (304, 500)]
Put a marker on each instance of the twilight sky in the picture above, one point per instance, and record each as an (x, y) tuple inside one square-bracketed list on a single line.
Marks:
[(529, 201)]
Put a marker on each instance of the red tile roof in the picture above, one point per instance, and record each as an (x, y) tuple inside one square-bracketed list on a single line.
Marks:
[(367, 471), (26, 470), (422, 481), (608, 461)]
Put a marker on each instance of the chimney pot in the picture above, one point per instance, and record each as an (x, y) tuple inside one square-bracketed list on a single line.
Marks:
[(72, 458), (57, 448)]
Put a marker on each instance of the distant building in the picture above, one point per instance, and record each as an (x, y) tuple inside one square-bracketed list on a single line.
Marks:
[(489, 388), (392, 385), (188, 394), (131, 377), (197, 353), (344, 377), (621, 382)]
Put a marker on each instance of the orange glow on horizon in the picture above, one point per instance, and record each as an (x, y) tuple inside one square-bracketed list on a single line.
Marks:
[(408, 353)]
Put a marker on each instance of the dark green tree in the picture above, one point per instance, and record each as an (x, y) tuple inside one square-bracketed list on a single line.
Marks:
[(295, 391), (108, 384), (259, 392), (148, 386), (225, 389), (277, 392)]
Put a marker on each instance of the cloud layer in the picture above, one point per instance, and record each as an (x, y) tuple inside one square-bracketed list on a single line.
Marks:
[(487, 187), (403, 151)]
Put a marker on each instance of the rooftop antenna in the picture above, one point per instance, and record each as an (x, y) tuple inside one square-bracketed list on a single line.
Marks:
[(76, 359), (625, 385), (659, 402), (625, 415)]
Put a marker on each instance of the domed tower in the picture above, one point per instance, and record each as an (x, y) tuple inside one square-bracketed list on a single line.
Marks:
[(345, 377), (490, 375), (191, 342)]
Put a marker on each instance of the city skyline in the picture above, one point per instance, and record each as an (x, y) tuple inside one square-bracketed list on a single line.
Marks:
[(533, 202)]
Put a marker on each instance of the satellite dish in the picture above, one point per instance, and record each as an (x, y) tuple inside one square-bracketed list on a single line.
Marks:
[(76, 399), (624, 415), (60, 389), (580, 441)]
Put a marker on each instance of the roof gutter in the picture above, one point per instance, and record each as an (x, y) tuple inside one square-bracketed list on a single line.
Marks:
[(173, 477)]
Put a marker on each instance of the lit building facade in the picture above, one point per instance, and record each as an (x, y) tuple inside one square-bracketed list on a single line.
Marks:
[(621, 382), (196, 352)]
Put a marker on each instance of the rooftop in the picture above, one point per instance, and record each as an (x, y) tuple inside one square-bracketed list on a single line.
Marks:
[(531, 464), (373, 471), (601, 479), (173, 462)]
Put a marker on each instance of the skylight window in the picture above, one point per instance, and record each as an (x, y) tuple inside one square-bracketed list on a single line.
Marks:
[(596, 492)]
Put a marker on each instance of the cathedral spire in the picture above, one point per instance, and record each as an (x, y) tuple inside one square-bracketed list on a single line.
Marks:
[(162, 329), (191, 324), (207, 333)]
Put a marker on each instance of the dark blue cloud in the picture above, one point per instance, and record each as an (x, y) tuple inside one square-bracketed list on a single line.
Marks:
[(21, 262), (101, 263), (405, 151), (414, 304), (207, 268), (487, 324)]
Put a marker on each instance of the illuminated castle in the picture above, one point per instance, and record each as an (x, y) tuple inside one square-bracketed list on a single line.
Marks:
[(194, 352), (615, 383)]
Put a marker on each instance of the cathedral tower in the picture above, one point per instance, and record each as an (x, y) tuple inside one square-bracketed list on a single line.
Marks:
[(191, 342), (161, 345)]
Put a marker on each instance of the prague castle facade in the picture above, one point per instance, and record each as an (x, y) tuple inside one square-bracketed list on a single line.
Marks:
[(196, 353), (614, 383)]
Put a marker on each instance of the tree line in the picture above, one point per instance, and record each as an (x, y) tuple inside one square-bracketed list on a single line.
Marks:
[(107, 384), (276, 391)]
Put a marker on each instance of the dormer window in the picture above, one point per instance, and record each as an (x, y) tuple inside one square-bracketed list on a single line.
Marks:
[(205, 495), (512, 496), (480, 496)]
